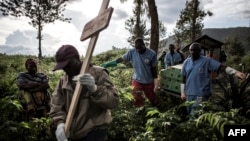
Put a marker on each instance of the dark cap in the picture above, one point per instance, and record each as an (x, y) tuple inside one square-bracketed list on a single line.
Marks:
[(63, 56)]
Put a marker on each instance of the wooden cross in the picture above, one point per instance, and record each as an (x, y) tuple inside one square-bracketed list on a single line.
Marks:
[(91, 29)]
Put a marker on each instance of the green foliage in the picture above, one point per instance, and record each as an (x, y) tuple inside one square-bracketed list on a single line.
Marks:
[(136, 25), (40, 12), (189, 25), (12, 128), (241, 63), (39, 129), (166, 122), (107, 56), (245, 63), (10, 106), (217, 120), (236, 94), (234, 47), (137, 31)]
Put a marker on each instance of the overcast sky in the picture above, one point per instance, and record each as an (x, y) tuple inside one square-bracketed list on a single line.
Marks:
[(18, 37)]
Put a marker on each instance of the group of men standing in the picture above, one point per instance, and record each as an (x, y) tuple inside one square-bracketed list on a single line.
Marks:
[(99, 94), (173, 57)]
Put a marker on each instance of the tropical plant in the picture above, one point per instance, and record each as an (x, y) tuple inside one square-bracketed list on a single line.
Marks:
[(217, 120), (236, 94)]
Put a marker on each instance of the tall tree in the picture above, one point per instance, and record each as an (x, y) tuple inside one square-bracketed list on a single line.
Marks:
[(136, 25), (234, 47), (40, 12), (149, 8), (154, 41), (162, 36), (189, 25)]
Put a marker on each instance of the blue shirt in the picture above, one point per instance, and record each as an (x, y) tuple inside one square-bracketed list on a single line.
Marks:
[(142, 64), (172, 59), (198, 81)]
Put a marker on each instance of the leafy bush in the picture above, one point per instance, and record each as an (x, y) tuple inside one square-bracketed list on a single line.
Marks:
[(166, 122)]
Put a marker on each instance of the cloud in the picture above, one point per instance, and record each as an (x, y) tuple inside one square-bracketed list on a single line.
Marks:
[(18, 37), (246, 14), (227, 13), (12, 50), (77, 18), (119, 14), (168, 10), (20, 42), (25, 42)]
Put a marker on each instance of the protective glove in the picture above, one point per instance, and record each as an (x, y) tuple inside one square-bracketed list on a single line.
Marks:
[(110, 64), (60, 133), (87, 80)]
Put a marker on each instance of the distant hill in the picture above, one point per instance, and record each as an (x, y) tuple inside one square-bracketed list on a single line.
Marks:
[(221, 34), (242, 33)]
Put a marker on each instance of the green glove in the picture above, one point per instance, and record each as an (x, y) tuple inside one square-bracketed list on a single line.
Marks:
[(110, 64)]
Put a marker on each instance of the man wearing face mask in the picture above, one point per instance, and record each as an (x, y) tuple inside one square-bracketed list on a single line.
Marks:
[(98, 96), (144, 79), (197, 84)]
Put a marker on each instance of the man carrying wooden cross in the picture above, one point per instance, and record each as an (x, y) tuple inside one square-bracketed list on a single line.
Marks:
[(98, 95)]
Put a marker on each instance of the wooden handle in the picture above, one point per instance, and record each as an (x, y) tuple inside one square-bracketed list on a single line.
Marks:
[(84, 68)]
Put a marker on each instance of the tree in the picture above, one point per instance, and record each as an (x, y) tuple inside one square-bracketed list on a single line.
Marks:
[(154, 25), (162, 36), (189, 25), (248, 40), (40, 12), (137, 27), (234, 47)]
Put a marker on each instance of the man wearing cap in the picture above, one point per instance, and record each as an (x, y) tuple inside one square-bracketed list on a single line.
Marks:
[(98, 95), (196, 70), (144, 79), (34, 93)]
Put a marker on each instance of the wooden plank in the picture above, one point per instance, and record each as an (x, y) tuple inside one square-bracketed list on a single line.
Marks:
[(97, 24), (84, 68)]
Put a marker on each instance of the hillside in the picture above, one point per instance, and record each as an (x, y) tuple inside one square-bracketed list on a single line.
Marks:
[(242, 33), (221, 34)]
